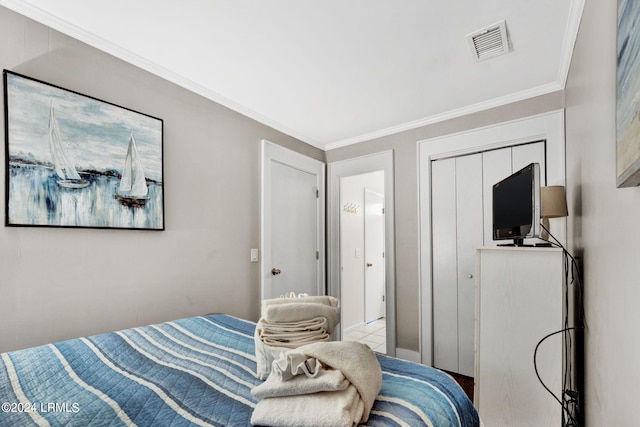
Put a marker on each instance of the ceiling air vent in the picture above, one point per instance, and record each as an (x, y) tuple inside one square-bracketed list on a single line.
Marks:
[(489, 42)]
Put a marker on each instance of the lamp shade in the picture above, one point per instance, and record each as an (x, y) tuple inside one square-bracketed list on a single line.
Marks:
[(553, 202)]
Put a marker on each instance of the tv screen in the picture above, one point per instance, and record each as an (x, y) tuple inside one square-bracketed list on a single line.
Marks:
[(516, 205)]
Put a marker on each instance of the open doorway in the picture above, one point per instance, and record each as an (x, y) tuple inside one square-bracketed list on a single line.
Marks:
[(362, 250), (339, 283)]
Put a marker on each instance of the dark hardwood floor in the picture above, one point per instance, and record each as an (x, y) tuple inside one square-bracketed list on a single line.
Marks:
[(465, 382)]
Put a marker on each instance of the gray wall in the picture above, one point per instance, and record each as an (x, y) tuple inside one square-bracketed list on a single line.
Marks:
[(61, 283), (405, 150), (603, 225)]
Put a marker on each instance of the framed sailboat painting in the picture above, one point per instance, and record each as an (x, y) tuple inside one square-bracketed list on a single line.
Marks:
[(76, 161)]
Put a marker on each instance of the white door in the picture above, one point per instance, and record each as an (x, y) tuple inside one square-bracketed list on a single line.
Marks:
[(374, 255), (496, 166), (469, 239), (293, 223), (445, 287), (524, 154), (457, 233)]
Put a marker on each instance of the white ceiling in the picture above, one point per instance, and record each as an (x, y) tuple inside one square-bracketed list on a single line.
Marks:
[(331, 72)]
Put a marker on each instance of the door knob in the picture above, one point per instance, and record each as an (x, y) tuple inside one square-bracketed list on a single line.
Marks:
[(275, 271), (369, 265), (470, 276)]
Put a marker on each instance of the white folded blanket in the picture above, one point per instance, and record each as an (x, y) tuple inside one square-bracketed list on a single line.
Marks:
[(293, 335), (299, 311), (308, 324), (320, 299), (271, 340), (286, 323), (355, 361)]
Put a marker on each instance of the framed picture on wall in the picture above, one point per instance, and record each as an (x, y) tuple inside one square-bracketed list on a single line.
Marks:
[(628, 95), (76, 161)]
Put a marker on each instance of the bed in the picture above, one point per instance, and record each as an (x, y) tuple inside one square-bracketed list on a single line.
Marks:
[(193, 371)]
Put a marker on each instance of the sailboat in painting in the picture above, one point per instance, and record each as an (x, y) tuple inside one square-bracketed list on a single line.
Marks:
[(132, 190), (62, 160)]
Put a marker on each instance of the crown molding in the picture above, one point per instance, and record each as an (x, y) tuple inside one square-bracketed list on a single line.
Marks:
[(452, 114)]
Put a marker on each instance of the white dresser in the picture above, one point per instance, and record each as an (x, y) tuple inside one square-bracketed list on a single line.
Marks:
[(519, 300)]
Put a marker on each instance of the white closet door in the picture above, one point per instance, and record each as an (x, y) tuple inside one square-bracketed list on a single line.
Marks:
[(457, 233), (496, 166), (462, 221), (523, 155), (469, 239), (445, 293), (499, 164)]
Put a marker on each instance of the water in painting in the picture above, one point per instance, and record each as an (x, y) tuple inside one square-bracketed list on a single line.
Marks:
[(38, 199)]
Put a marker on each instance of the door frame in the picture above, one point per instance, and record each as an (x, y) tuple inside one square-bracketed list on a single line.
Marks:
[(272, 152), (356, 166), (547, 126)]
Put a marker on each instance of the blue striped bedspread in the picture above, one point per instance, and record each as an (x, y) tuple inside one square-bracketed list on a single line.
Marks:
[(194, 371)]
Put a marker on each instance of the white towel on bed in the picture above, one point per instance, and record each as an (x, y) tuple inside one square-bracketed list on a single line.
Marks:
[(325, 380), (293, 363), (354, 360), (294, 339), (324, 409)]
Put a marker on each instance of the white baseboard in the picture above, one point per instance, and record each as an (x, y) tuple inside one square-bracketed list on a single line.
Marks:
[(403, 353)]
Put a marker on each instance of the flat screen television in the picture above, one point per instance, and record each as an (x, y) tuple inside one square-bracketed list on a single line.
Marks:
[(516, 206)]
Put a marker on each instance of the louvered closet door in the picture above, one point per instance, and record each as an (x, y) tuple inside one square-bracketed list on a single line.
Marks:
[(457, 233), (524, 154), (445, 269), (469, 239), (496, 166)]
